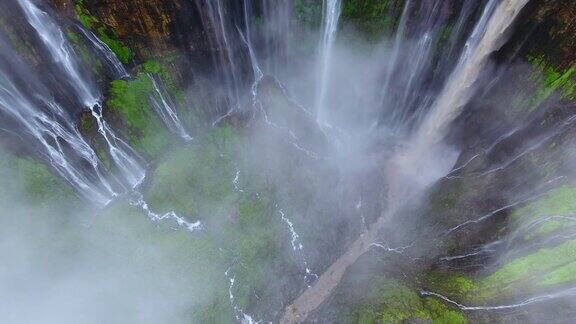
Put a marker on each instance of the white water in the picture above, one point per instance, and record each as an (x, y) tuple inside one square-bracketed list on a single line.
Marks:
[(213, 17), (63, 55), (487, 37), (330, 25), (166, 109), (414, 172), (106, 52), (297, 247), (238, 312), (527, 302), (277, 16), (54, 132), (137, 200)]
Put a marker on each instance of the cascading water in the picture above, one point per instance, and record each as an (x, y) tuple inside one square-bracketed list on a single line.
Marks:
[(225, 59), (271, 30), (332, 10), (166, 109), (43, 119), (412, 174), (63, 55), (486, 38), (407, 90), (110, 58)]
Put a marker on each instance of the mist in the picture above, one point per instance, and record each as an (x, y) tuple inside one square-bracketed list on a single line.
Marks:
[(284, 162)]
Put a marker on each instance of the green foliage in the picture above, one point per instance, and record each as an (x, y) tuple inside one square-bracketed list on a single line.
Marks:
[(441, 314), (553, 263), (392, 302), (373, 17), (104, 33), (453, 284), (197, 179), (131, 99), (37, 182), (561, 275), (558, 202), (123, 52), (84, 16), (84, 52), (308, 13), (552, 80)]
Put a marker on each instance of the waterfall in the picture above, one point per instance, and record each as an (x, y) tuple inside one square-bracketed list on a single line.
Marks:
[(413, 71), (225, 58), (59, 143), (110, 58), (425, 158), (166, 109), (271, 30), (330, 25), (413, 168), (63, 55), (486, 38)]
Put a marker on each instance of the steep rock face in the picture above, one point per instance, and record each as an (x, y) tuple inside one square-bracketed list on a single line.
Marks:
[(65, 6), (153, 28), (554, 26)]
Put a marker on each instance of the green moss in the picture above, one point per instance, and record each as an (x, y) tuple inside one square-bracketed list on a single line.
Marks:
[(561, 275), (552, 80), (393, 303), (456, 285), (441, 314), (547, 262), (123, 52), (548, 227), (308, 13), (371, 17), (390, 301), (198, 178), (197, 181), (39, 184), (104, 33), (130, 98), (558, 202), (84, 52), (84, 16)]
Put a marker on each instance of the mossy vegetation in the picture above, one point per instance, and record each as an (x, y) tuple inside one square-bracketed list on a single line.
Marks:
[(557, 202), (390, 301), (110, 38), (199, 181), (131, 99), (553, 79), (308, 13), (85, 54), (452, 285), (35, 180), (372, 18), (547, 266), (204, 181), (105, 33)]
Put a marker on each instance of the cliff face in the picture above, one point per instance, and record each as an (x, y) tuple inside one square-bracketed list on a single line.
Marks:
[(554, 24), (147, 28)]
